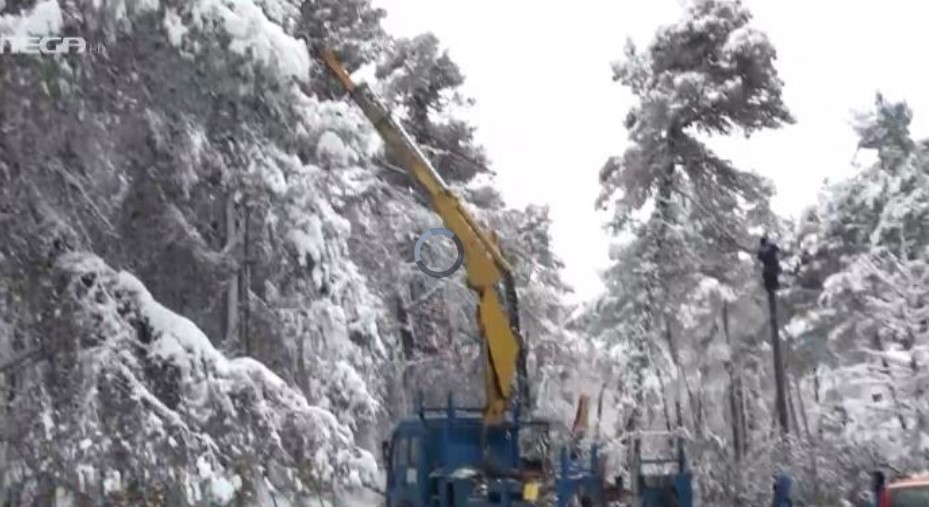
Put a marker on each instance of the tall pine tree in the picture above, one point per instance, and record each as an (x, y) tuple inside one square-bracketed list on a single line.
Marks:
[(688, 209)]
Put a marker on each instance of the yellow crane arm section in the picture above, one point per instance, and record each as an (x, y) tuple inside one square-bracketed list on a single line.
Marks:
[(485, 265)]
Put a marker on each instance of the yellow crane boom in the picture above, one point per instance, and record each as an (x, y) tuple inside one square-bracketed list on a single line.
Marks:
[(486, 267)]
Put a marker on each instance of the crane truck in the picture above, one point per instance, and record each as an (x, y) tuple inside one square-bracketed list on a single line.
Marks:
[(456, 456)]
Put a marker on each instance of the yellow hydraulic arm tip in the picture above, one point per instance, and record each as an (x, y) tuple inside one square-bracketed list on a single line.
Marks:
[(335, 67)]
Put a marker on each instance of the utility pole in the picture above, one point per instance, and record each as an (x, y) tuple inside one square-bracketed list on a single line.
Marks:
[(768, 255)]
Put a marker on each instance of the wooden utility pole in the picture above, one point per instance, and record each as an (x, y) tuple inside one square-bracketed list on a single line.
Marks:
[(768, 255)]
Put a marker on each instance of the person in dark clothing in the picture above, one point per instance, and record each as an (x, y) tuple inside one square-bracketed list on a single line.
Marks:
[(771, 266), (669, 493), (782, 483), (878, 484)]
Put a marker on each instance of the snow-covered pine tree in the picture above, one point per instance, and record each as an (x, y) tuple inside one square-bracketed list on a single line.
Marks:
[(423, 82), (865, 246), (135, 172), (689, 209)]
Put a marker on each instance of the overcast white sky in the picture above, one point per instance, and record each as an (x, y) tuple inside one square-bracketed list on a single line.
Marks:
[(549, 113)]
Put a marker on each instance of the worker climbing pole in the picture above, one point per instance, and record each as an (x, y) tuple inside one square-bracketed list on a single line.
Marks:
[(768, 254)]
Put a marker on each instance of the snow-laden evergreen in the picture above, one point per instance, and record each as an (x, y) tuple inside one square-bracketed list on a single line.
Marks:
[(208, 287)]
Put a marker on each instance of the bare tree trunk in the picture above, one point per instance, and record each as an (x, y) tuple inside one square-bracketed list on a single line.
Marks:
[(735, 408), (302, 373), (664, 397), (792, 408), (809, 437), (885, 368), (780, 379), (796, 404), (745, 416), (662, 204), (679, 411), (700, 410), (634, 420), (651, 325), (599, 412), (232, 291), (634, 450), (246, 282), (802, 410), (407, 340), (816, 382), (922, 421)]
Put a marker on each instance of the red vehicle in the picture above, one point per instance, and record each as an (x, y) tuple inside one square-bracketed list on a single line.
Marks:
[(910, 492)]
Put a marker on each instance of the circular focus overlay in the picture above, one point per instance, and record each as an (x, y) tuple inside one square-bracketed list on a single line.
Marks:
[(417, 256)]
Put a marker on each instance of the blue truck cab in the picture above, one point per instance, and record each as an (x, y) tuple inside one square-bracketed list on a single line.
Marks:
[(446, 457)]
